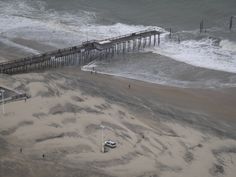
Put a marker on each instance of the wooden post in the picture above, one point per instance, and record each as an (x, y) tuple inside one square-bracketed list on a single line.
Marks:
[(107, 51), (73, 59), (113, 51), (55, 62), (155, 38), (170, 35), (134, 44), (64, 61), (159, 40), (139, 43), (84, 57), (67, 59), (201, 26), (150, 40), (231, 23), (124, 46), (59, 62), (144, 43), (80, 59), (128, 45), (118, 48), (76, 59)]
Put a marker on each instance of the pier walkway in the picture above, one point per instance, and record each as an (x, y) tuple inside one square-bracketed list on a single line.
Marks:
[(84, 53)]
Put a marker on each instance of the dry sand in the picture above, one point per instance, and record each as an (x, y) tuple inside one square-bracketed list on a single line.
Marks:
[(160, 131)]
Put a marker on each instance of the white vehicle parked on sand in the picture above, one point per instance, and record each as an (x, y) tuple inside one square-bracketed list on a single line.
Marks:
[(110, 144)]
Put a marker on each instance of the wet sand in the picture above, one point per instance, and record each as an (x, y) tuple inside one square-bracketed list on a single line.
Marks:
[(159, 130)]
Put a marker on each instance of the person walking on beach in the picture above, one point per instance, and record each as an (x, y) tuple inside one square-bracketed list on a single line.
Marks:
[(178, 39)]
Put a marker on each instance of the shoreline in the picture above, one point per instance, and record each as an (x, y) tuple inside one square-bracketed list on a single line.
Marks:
[(175, 92)]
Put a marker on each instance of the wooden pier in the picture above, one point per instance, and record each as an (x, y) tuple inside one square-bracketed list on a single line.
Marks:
[(84, 53)]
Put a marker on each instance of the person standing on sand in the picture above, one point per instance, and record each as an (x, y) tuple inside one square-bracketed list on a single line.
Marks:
[(178, 39)]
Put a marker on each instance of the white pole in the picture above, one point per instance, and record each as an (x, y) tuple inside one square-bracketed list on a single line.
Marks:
[(102, 138), (102, 141)]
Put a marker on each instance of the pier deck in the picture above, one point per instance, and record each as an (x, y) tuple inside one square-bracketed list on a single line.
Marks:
[(84, 53)]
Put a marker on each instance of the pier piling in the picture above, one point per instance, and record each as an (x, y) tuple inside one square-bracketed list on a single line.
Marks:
[(231, 23), (201, 26)]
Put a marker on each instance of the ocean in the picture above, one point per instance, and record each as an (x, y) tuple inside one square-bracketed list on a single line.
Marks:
[(199, 60)]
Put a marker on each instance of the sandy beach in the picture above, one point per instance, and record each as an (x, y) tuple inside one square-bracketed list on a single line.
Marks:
[(159, 130), (161, 84)]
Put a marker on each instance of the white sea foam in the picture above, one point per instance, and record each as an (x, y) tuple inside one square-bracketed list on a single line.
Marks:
[(106, 31), (228, 46), (23, 19), (201, 53)]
